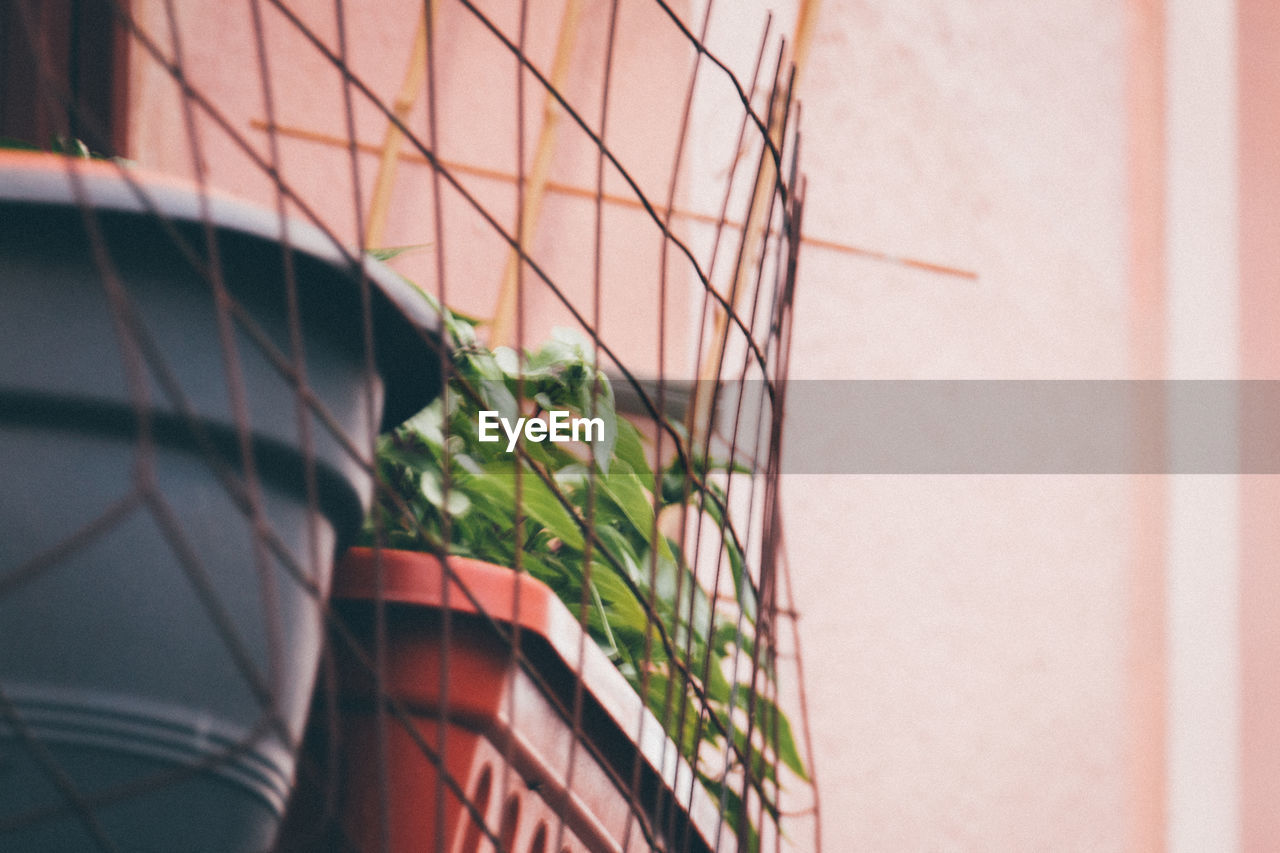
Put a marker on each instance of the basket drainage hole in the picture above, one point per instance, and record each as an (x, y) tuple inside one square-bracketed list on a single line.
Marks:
[(484, 787)]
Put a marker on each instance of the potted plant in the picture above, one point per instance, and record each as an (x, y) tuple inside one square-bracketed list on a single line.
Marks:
[(466, 636), (186, 426)]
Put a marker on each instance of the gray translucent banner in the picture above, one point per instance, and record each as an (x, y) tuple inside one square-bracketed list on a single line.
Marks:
[(1012, 427)]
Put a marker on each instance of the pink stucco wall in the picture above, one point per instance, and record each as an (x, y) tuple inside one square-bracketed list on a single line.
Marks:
[(1027, 663), (476, 136), (967, 636)]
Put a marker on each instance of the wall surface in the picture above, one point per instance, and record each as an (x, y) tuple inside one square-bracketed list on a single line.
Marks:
[(966, 637), (286, 80), (1041, 662)]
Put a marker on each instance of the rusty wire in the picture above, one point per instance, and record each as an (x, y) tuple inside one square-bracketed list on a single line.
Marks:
[(763, 356)]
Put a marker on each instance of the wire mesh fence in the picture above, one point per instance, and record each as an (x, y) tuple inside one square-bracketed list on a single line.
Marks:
[(375, 479)]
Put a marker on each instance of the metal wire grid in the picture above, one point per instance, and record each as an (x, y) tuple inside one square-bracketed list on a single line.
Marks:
[(744, 332)]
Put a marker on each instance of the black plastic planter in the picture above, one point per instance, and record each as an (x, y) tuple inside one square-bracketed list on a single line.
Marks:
[(183, 455)]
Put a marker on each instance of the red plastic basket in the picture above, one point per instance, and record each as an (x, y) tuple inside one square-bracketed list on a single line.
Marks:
[(481, 745)]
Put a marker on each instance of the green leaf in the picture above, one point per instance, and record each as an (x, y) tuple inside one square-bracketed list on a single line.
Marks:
[(691, 610), (595, 400), (12, 144), (625, 611), (391, 252), (679, 718), (432, 485), (547, 571), (728, 636), (716, 685), (604, 619), (71, 147), (744, 591), (507, 360), (774, 723), (629, 448), (538, 501), (730, 802), (616, 545), (761, 770), (628, 494), (426, 424)]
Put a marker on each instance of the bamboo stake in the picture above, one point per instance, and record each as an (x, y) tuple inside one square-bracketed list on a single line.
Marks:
[(502, 327), (415, 76), (616, 200), (699, 420), (806, 21)]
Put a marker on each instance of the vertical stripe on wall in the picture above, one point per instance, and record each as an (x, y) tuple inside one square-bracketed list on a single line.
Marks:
[(1202, 628), (1145, 655), (1258, 34)]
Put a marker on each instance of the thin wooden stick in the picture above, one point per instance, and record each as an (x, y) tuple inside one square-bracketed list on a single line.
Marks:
[(414, 76), (806, 22), (628, 202), (502, 326), (708, 373)]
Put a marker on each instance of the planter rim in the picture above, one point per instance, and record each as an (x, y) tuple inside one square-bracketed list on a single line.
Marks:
[(407, 337), (515, 598)]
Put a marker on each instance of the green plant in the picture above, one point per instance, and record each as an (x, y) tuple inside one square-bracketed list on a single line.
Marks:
[(591, 527), (70, 146)]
